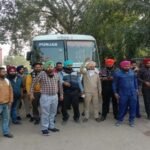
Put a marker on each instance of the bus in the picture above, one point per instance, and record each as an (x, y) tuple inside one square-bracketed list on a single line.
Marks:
[(61, 47)]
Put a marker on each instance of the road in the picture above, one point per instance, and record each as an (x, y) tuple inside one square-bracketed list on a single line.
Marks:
[(81, 136)]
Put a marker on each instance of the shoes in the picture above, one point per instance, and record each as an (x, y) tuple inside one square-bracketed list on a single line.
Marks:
[(83, 114), (36, 122), (118, 123), (115, 117), (131, 124), (54, 130), (77, 120), (16, 122), (148, 117), (65, 119), (31, 119), (103, 118), (97, 119), (28, 116), (19, 118), (85, 120), (9, 135), (45, 132)]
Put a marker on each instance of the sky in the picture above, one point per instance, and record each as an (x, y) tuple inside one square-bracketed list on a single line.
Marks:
[(5, 49)]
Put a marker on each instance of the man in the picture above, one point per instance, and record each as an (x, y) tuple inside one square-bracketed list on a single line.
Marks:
[(135, 68), (50, 83), (17, 85), (20, 70), (144, 77), (37, 68), (6, 99), (58, 69), (71, 85), (106, 76), (92, 89), (22, 74), (125, 90)]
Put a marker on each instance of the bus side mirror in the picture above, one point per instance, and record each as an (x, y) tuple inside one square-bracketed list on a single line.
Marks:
[(28, 56)]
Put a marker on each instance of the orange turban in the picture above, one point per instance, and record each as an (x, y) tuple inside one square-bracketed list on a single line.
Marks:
[(146, 61), (109, 62)]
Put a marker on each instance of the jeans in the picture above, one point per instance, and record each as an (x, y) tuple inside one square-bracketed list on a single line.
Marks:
[(48, 106), (14, 109), (4, 111)]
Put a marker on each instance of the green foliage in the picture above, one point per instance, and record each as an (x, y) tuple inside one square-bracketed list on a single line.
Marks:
[(16, 61), (121, 27)]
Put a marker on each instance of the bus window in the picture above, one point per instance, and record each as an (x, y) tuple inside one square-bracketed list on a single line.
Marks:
[(78, 51), (46, 50)]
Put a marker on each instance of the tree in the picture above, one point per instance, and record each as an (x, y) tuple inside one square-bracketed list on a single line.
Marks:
[(34, 17), (118, 25), (7, 13), (16, 61)]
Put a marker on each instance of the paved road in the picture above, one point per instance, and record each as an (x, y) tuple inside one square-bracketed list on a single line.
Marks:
[(82, 136)]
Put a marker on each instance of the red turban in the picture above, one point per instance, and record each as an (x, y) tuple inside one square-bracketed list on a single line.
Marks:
[(11, 68), (109, 62), (146, 61), (125, 63)]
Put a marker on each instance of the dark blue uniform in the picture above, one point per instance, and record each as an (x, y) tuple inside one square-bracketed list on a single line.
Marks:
[(125, 84)]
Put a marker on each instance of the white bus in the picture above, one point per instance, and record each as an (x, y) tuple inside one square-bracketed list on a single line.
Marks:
[(61, 47)]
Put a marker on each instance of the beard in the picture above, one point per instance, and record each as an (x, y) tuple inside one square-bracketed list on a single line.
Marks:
[(125, 70), (2, 76), (68, 70), (11, 76), (109, 68), (50, 73), (59, 69)]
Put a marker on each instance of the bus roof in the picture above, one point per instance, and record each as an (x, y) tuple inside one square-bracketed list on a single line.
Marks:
[(64, 37)]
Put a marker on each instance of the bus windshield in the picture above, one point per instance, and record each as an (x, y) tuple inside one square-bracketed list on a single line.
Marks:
[(78, 51), (46, 50), (61, 50)]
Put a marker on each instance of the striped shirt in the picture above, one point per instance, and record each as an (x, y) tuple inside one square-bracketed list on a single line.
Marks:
[(49, 86)]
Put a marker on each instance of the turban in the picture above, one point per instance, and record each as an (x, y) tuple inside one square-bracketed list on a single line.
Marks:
[(109, 62), (90, 63), (68, 63), (11, 69), (125, 63), (146, 61), (48, 64), (19, 68)]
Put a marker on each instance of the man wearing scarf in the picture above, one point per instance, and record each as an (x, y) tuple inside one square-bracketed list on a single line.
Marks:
[(92, 89), (50, 84), (125, 89), (144, 77), (106, 76)]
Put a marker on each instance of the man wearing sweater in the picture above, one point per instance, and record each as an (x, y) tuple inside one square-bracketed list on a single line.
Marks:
[(37, 68), (50, 84), (6, 99)]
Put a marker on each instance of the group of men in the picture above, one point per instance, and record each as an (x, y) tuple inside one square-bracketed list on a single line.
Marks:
[(52, 88)]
